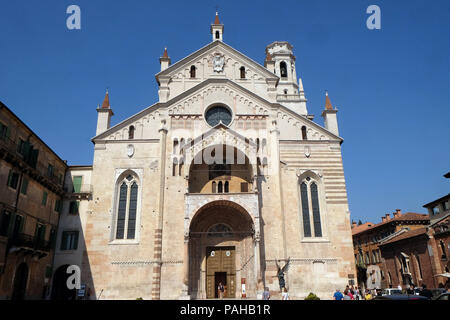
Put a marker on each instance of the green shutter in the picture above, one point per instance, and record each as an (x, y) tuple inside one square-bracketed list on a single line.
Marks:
[(8, 132), (64, 241), (9, 178), (75, 246), (44, 198), (77, 184), (11, 223), (58, 206), (22, 222), (24, 188)]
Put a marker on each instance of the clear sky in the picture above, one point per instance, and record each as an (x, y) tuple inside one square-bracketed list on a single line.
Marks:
[(391, 86)]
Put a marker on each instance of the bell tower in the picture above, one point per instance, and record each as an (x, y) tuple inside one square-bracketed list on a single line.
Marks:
[(282, 63), (217, 29)]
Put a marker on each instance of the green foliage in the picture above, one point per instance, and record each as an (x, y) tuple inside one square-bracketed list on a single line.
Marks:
[(312, 296), (139, 299)]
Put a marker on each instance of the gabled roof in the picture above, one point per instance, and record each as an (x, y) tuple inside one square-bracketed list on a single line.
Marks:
[(407, 235), (183, 95), (409, 216), (210, 46)]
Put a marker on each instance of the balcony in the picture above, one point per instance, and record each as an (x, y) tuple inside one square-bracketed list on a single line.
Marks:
[(27, 244), (79, 191)]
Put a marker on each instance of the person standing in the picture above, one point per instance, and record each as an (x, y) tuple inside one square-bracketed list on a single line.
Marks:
[(338, 295), (285, 294), (347, 295), (220, 290), (368, 296), (266, 294)]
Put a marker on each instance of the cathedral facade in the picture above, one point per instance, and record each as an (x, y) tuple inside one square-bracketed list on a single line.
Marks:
[(222, 180)]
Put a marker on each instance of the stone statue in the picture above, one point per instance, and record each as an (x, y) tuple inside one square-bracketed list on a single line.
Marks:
[(280, 273)]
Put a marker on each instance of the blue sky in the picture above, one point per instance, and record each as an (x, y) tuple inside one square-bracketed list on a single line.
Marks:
[(391, 86)]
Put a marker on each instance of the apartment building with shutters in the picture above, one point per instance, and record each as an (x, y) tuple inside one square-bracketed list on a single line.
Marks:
[(31, 194)]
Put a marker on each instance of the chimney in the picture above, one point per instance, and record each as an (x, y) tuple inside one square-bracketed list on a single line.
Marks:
[(354, 224), (388, 217), (383, 219), (397, 213)]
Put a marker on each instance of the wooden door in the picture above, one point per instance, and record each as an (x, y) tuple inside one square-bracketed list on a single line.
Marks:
[(220, 260)]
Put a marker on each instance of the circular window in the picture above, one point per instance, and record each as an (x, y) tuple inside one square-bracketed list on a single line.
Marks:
[(218, 114)]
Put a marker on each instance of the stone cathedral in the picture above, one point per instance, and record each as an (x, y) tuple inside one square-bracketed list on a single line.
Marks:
[(224, 178)]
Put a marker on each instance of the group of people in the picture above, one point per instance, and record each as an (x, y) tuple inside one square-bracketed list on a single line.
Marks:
[(284, 294), (356, 293), (352, 293)]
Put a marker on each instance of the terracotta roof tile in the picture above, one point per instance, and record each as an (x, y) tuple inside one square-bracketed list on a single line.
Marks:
[(328, 105), (165, 54), (105, 104), (216, 20), (361, 227), (407, 235), (409, 216)]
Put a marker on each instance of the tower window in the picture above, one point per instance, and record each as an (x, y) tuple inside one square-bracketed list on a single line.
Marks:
[(131, 133), (283, 69), (217, 35), (285, 91), (192, 72), (242, 69)]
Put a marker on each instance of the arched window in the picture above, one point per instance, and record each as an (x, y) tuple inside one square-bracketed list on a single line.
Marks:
[(127, 208), (192, 72), (220, 187), (214, 187), (175, 146), (305, 210), (174, 167), (283, 69), (226, 187), (316, 210), (242, 69), (180, 173), (444, 255), (310, 208), (285, 91), (217, 35), (131, 133), (220, 230), (304, 135)]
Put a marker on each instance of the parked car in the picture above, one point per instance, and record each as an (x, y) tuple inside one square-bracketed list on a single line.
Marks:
[(400, 297), (444, 296), (391, 291), (437, 292)]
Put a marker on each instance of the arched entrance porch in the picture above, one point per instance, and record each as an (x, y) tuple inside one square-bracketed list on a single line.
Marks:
[(221, 248)]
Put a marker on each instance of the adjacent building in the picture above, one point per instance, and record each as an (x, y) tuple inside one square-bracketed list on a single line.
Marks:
[(367, 239), (31, 193)]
